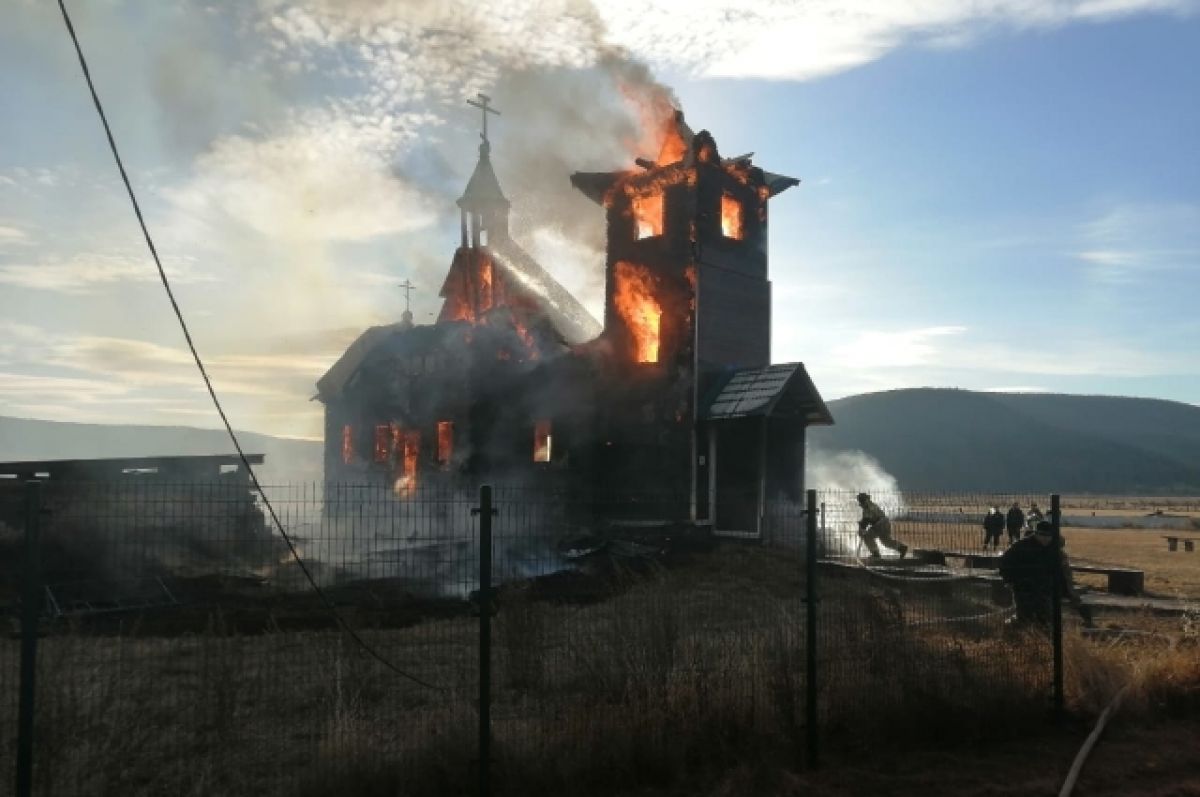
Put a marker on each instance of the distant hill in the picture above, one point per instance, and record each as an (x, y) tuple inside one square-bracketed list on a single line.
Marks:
[(286, 460), (940, 439), (927, 438)]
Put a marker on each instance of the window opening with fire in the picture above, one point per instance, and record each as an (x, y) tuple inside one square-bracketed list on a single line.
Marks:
[(383, 443), (648, 215), (541, 441), (633, 296), (445, 439), (347, 444), (731, 217), (408, 449)]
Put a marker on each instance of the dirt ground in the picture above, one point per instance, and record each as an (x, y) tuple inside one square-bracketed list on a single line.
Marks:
[(1150, 761), (1132, 759)]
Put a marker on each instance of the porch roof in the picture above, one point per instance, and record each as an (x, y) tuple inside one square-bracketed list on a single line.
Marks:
[(776, 391)]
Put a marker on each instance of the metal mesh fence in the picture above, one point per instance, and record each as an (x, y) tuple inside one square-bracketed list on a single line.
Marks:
[(184, 651), (922, 632)]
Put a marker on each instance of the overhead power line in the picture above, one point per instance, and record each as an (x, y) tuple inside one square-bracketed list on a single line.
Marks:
[(162, 274)]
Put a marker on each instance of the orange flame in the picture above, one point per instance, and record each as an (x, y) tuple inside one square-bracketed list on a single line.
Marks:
[(409, 449), (731, 217), (648, 214), (445, 449), (654, 111), (674, 147), (347, 444), (473, 289), (633, 296), (531, 349), (487, 298), (541, 441)]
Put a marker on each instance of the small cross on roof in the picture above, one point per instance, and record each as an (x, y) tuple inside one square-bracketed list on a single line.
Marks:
[(482, 105), (408, 288)]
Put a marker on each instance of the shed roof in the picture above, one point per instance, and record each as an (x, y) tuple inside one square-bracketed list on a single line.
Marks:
[(776, 391)]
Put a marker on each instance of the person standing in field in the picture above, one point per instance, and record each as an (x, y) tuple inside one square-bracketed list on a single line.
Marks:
[(993, 525), (1014, 521), (1033, 517), (874, 528), (1030, 567)]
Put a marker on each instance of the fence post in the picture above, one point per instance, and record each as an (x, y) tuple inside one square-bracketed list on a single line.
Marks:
[(31, 605), (810, 631), (486, 513), (1056, 629)]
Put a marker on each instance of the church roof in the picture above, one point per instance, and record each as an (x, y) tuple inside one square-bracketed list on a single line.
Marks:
[(569, 318), (483, 189), (596, 186), (409, 339)]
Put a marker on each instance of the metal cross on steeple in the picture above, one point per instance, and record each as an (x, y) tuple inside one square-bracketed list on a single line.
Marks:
[(482, 105), (408, 288)]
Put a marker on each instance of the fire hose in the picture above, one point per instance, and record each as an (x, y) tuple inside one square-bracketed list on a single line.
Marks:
[(1090, 742)]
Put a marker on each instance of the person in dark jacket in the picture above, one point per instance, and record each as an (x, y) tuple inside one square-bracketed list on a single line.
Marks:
[(993, 525), (1014, 521), (1030, 566)]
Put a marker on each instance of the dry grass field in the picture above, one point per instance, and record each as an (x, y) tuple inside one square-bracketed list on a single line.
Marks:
[(1172, 574), (684, 674), (687, 680)]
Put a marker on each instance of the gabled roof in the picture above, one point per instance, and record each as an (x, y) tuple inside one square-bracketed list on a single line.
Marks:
[(776, 391), (483, 189), (400, 338)]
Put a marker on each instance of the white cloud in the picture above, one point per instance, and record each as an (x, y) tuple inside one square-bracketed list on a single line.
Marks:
[(10, 236), (142, 363), (790, 40), (121, 380), (1129, 242), (52, 388), (453, 48), (1108, 257), (86, 273), (901, 349), (324, 179)]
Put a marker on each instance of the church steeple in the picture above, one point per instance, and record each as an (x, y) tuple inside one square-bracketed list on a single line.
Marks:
[(483, 206)]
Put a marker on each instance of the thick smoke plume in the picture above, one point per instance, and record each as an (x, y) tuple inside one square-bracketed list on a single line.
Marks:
[(324, 200)]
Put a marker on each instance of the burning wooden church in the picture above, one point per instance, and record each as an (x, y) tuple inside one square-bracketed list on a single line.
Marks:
[(670, 411)]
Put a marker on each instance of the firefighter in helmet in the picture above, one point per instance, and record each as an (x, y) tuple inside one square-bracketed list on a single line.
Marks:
[(875, 526)]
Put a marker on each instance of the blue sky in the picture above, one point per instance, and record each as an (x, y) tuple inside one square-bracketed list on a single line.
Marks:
[(994, 197)]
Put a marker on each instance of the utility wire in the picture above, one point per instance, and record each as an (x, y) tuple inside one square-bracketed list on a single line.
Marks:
[(112, 145)]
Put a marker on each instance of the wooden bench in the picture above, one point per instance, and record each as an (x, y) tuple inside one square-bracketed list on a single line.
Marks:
[(1121, 580), (1189, 543), (977, 560)]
